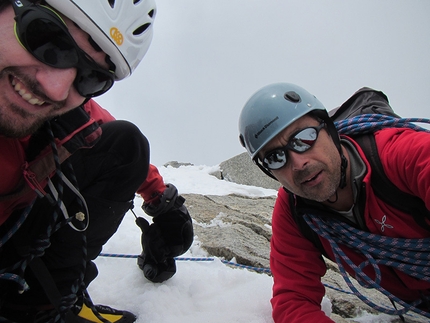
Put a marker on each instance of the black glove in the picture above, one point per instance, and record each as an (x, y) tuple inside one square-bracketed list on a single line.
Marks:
[(153, 271), (172, 224), (157, 273), (170, 235)]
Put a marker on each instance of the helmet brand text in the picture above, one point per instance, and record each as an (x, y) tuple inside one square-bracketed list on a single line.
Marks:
[(265, 127)]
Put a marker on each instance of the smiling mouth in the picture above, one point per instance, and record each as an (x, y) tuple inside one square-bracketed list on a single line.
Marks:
[(20, 88)]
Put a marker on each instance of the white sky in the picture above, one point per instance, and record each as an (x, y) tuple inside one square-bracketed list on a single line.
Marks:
[(208, 57)]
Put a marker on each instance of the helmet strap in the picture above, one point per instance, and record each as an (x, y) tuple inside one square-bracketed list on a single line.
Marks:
[(342, 183), (335, 199), (334, 134), (343, 167)]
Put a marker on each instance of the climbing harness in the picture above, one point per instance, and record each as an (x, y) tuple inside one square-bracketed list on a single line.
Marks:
[(16, 272)]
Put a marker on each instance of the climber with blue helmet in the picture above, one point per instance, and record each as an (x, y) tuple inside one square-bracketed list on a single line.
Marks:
[(335, 200), (269, 112), (69, 171)]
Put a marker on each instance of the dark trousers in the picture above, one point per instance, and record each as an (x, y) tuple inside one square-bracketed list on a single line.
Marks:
[(108, 176)]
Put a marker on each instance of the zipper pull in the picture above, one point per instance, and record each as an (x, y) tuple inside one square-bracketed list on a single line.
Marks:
[(31, 180)]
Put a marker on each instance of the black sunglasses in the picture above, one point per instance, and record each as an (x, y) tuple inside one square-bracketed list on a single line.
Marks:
[(299, 142), (43, 33)]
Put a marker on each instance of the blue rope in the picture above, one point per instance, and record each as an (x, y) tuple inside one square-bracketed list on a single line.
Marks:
[(3, 272), (378, 250), (369, 123), (410, 256), (17, 224), (257, 269)]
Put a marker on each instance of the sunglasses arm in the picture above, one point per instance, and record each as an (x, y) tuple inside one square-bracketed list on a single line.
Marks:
[(265, 170)]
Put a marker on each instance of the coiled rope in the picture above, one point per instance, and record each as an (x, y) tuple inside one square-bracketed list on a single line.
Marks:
[(410, 256), (42, 242), (16, 272), (369, 123), (228, 263)]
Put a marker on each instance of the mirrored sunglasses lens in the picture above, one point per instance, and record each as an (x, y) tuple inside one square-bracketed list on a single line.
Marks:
[(50, 44), (92, 83), (303, 140), (276, 159)]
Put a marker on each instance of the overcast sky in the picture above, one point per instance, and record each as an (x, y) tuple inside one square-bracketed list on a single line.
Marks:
[(208, 57)]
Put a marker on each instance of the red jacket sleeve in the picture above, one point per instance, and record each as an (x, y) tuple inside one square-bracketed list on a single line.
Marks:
[(154, 185), (297, 268), (405, 156)]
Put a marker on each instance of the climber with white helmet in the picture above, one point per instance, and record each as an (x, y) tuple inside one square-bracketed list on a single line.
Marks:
[(355, 191), (69, 171)]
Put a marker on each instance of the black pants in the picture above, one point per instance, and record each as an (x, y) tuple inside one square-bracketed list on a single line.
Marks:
[(108, 176)]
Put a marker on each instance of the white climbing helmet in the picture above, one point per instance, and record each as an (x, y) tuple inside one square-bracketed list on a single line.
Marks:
[(122, 28)]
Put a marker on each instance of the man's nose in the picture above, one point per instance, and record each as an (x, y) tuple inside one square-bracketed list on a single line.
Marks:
[(56, 83), (298, 160)]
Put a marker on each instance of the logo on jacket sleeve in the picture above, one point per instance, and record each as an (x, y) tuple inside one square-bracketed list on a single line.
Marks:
[(383, 224)]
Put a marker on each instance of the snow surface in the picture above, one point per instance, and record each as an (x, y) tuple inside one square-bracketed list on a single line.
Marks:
[(200, 291)]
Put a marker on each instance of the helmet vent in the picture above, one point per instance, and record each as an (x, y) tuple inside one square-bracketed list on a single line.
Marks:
[(111, 3), (292, 96), (141, 29)]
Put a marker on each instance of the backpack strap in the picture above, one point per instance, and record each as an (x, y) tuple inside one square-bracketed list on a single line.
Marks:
[(304, 228), (386, 190)]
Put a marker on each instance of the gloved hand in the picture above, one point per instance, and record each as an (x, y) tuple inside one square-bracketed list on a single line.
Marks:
[(154, 270), (170, 235), (157, 273)]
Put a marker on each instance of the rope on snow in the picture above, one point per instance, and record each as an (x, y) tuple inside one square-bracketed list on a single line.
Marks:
[(230, 263), (410, 259)]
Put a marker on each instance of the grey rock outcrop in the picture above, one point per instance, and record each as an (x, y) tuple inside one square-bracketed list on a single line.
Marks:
[(239, 227), (233, 226), (241, 170)]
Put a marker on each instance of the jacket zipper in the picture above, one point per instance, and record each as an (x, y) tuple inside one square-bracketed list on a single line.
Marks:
[(31, 180)]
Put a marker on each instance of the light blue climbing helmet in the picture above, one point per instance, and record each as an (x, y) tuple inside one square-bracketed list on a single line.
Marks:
[(270, 110)]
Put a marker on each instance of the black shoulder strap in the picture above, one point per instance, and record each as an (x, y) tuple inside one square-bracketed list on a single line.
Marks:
[(304, 228), (43, 275), (386, 190)]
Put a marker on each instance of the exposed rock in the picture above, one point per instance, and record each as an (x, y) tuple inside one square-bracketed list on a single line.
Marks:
[(241, 170), (176, 164), (233, 226), (240, 227)]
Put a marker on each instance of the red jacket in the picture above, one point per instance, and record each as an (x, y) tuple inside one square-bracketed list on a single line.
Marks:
[(18, 175), (296, 263)]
